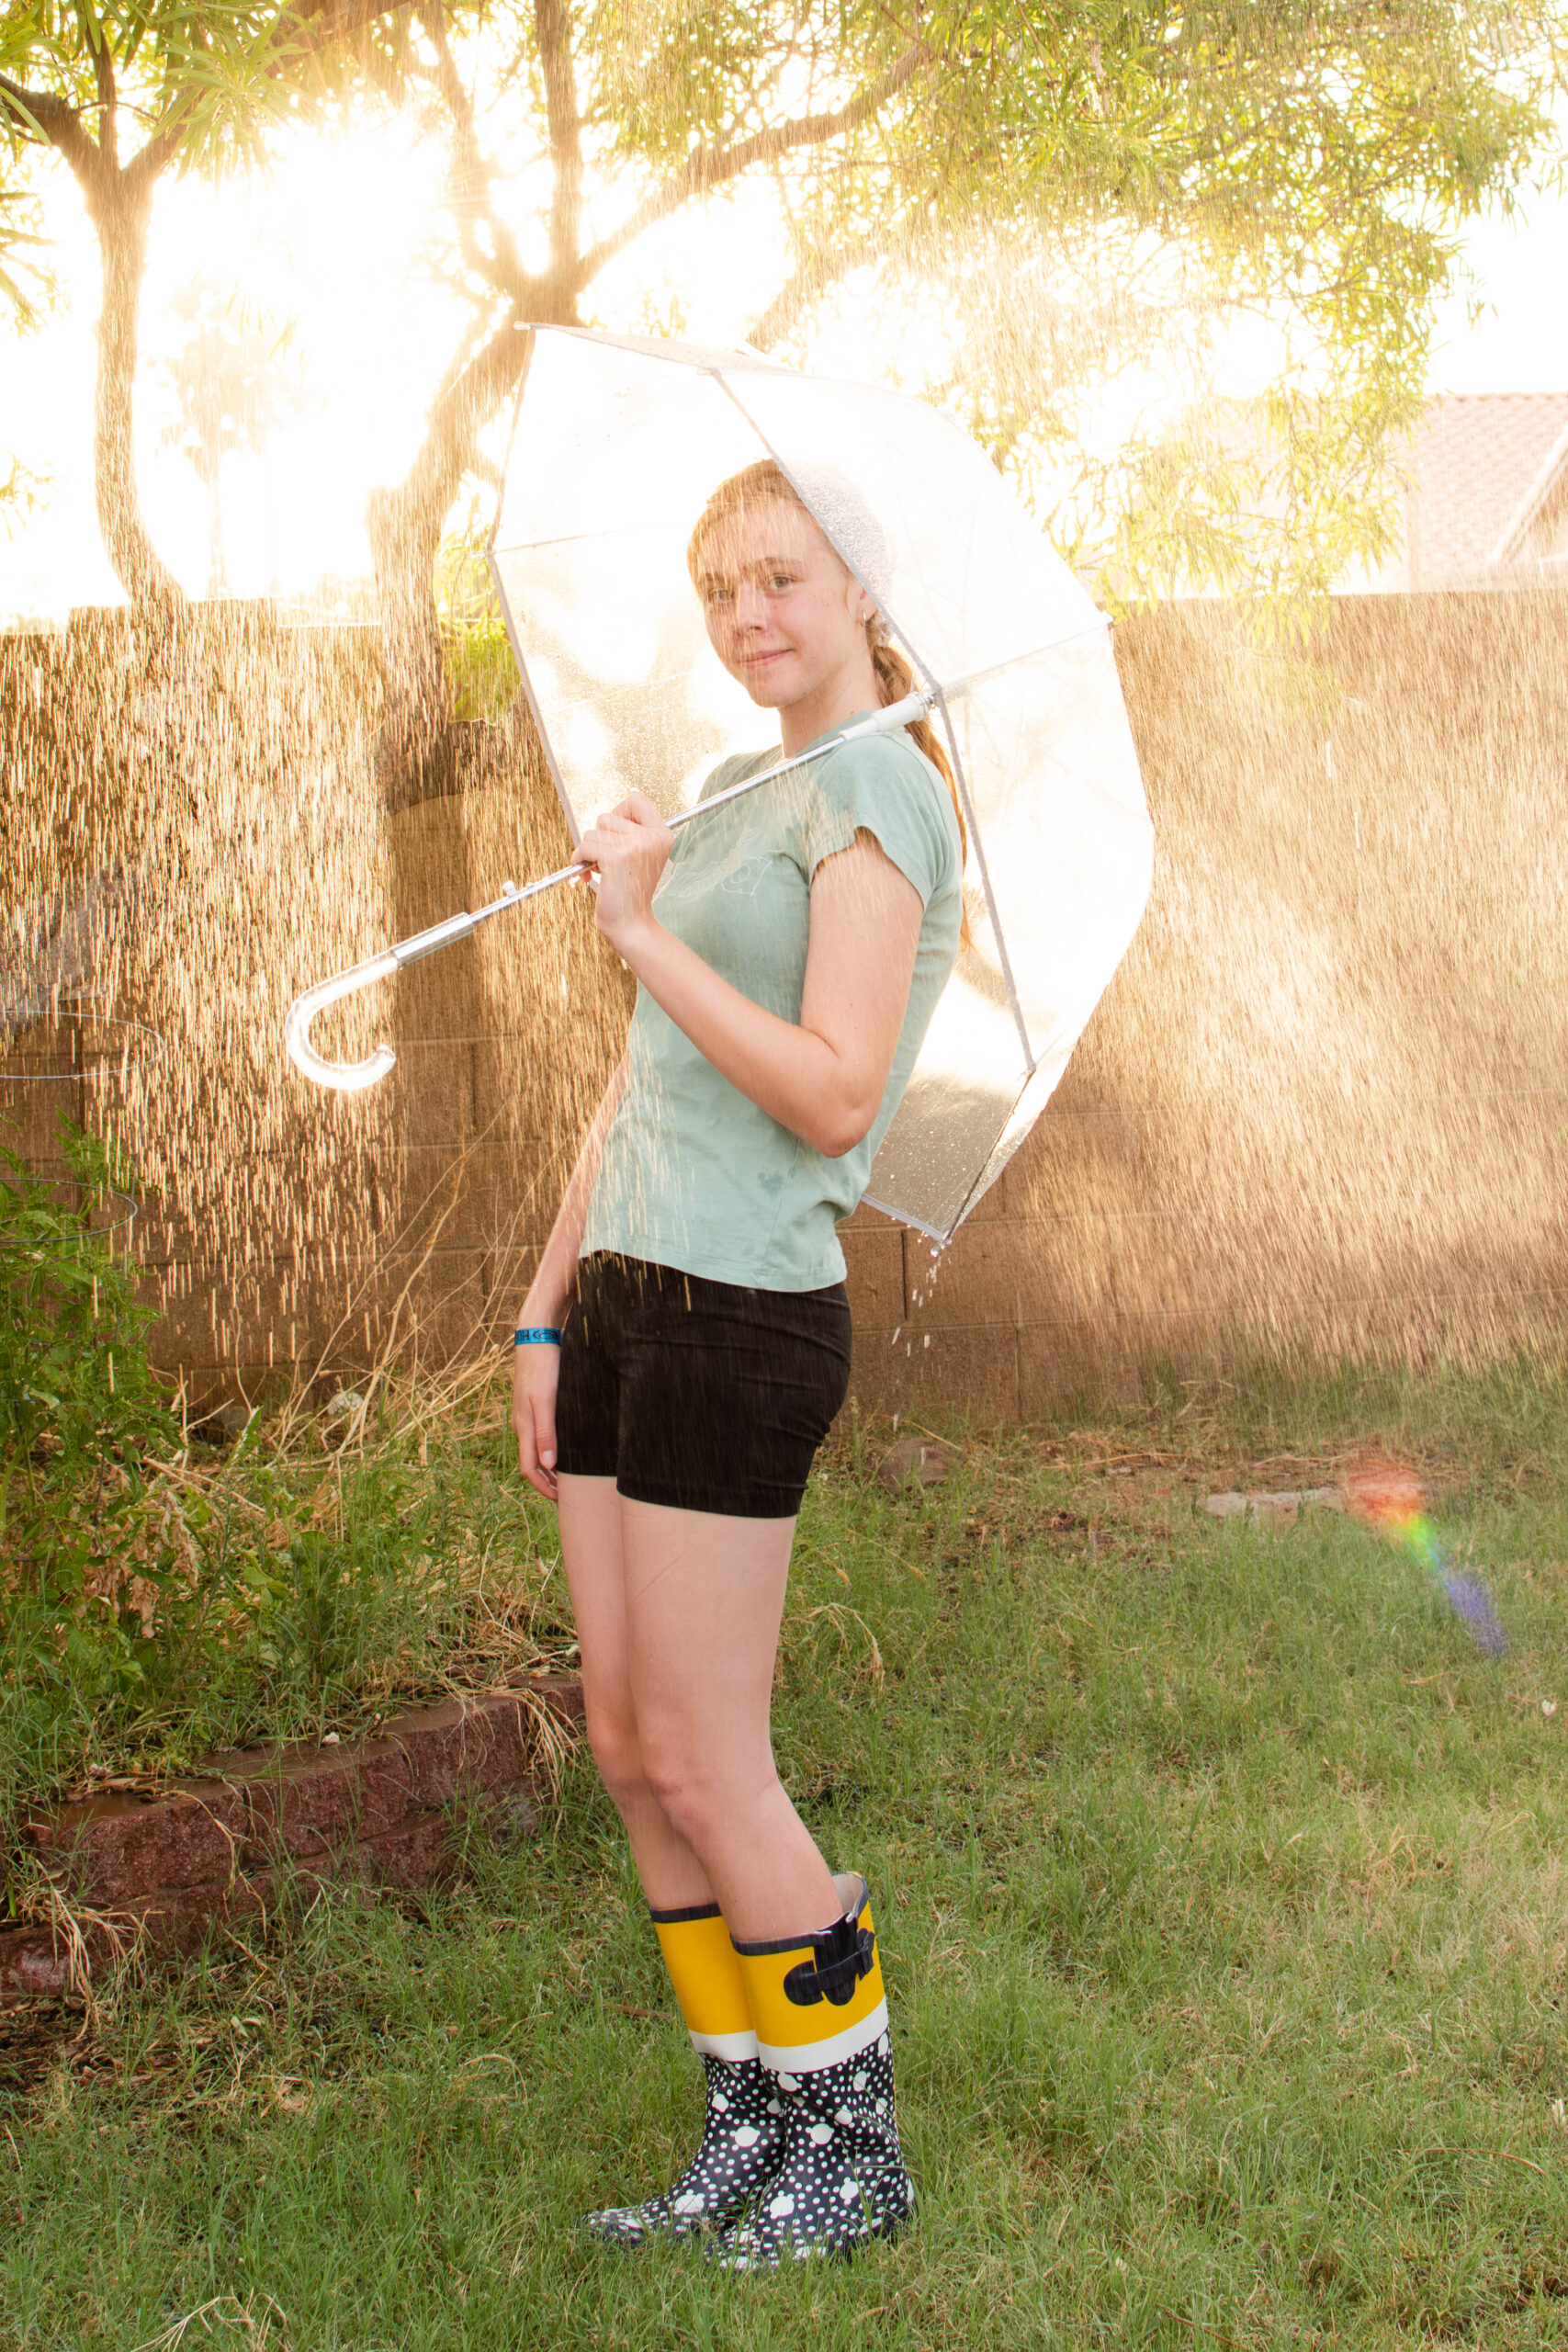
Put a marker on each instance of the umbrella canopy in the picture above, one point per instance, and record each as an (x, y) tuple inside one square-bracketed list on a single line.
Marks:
[(617, 446)]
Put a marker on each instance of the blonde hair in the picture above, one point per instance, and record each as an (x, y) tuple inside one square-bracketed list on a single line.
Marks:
[(754, 486)]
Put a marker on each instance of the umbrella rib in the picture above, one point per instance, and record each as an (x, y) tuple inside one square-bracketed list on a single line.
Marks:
[(980, 860), (980, 1184), (504, 601), (908, 1216), (557, 778)]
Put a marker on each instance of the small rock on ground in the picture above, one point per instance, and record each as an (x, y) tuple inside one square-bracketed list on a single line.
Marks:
[(1280, 1510), (918, 1461)]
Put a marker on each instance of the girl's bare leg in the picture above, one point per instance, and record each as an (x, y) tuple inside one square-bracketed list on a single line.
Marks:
[(678, 1618), (589, 1511), (704, 1597)]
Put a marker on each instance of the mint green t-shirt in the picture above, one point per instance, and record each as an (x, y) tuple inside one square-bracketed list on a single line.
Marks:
[(694, 1175)]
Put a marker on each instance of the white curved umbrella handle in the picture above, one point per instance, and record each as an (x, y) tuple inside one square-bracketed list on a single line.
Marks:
[(348, 1078), (351, 1078)]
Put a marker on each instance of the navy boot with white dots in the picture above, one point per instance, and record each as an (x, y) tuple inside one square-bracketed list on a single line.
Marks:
[(843, 2181), (743, 2126), (742, 2148), (823, 2035)]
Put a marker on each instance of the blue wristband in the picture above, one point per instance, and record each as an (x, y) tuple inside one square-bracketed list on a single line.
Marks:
[(537, 1335)]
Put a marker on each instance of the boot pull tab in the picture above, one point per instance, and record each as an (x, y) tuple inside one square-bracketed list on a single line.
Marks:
[(841, 1955)]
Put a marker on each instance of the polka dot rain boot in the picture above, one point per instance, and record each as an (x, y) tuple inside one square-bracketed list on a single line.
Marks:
[(822, 2033), (743, 2129)]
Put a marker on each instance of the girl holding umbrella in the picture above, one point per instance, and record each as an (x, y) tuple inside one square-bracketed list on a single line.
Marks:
[(686, 1345)]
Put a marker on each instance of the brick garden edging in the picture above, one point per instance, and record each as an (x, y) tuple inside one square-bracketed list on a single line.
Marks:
[(158, 1871)]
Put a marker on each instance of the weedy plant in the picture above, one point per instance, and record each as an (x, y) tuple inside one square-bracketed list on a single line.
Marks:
[(89, 1544), (481, 670), (161, 1596)]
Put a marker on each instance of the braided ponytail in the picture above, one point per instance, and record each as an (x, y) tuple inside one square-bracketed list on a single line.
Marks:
[(894, 681)]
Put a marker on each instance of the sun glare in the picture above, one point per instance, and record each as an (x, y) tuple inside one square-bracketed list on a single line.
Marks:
[(320, 263), (323, 263), (326, 268)]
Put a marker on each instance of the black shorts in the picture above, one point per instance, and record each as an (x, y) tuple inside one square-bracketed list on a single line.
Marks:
[(699, 1395)]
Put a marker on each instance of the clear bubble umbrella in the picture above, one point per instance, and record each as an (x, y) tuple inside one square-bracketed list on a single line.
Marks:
[(617, 446)]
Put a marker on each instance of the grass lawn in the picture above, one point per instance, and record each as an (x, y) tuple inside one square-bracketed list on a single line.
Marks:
[(1222, 1894)]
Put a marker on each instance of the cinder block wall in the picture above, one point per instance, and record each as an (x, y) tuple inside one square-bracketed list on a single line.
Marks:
[(1321, 1110), (430, 1203)]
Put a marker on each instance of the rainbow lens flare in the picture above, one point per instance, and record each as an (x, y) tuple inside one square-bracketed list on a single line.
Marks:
[(1387, 1497)]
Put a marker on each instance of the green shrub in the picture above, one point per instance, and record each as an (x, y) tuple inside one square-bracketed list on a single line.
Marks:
[(159, 1598), (481, 670), (94, 1561)]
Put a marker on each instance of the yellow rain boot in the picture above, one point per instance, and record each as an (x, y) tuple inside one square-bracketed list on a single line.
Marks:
[(743, 2130), (821, 2020)]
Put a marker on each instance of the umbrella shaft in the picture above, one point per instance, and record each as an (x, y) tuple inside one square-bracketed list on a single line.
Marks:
[(446, 934), (903, 713), (906, 712)]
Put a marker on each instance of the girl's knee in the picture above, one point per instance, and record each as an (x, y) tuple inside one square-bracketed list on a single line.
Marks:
[(704, 1804), (614, 1743)]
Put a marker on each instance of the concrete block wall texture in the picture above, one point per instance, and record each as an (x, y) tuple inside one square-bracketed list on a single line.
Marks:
[(216, 789), (1321, 1110)]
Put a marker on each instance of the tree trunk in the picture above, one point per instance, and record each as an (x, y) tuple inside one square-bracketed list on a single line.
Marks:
[(413, 753), (120, 216), (417, 756)]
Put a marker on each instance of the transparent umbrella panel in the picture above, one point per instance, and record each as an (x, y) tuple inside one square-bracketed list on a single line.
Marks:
[(1065, 877), (616, 447), (614, 455)]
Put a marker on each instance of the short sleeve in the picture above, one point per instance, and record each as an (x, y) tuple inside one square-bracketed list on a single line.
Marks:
[(738, 765), (882, 786)]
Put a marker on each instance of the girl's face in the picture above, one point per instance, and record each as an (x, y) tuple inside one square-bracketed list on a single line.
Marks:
[(782, 614)]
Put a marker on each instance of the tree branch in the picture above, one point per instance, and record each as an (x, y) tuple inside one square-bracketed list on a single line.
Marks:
[(552, 25), (60, 124), (160, 148), (419, 503), (704, 171), (473, 177), (321, 22), (325, 21), (108, 106), (810, 282)]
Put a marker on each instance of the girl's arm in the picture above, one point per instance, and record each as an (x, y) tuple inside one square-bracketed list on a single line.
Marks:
[(822, 1077), (535, 1368)]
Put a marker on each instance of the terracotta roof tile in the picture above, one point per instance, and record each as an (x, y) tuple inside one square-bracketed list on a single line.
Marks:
[(1475, 455)]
